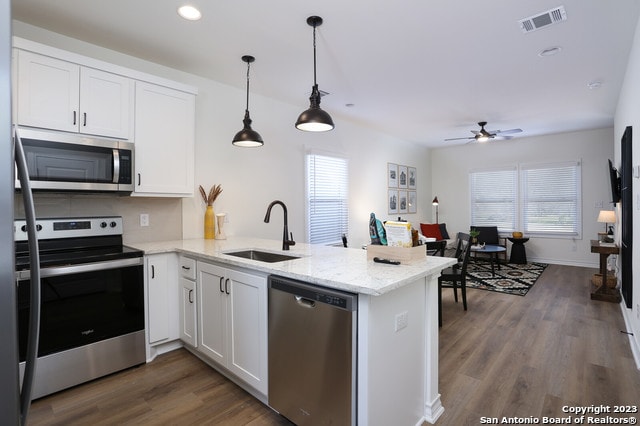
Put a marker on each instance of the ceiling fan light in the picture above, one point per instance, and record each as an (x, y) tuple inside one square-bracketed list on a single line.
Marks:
[(482, 138)]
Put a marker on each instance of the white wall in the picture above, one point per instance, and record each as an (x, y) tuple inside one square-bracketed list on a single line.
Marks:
[(450, 173), (252, 178), (628, 114)]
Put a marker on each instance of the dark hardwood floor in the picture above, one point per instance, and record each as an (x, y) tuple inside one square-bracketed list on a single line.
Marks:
[(506, 356)]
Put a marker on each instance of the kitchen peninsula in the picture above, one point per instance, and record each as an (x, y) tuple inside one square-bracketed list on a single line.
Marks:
[(397, 331)]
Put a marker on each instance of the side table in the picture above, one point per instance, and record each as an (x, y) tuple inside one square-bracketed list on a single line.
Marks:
[(604, 292), (518, 253)]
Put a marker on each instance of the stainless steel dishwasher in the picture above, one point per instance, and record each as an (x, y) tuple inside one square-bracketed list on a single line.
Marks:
[(312, 352)]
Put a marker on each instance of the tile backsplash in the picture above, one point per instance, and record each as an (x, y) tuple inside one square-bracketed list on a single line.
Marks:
[(165, 214)]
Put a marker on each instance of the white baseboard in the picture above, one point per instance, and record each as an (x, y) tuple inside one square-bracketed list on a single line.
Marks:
[(563, 262), (633, 341)]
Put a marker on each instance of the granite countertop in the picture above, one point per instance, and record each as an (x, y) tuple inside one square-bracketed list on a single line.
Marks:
[(336, 267)]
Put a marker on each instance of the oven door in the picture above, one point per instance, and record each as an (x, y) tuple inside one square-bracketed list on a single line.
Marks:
[(83, 304)]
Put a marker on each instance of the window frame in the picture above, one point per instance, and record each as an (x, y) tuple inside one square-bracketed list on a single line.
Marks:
[(342, 214), (521, 198)]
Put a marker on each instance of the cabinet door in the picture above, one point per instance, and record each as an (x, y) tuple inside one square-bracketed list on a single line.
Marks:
[(212, 287), (48, 92), (164, 139), (188, 312), (161, 279), (247, 338), (105, 103)]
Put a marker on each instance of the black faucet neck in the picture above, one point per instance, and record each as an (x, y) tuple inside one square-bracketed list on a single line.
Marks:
[(286, 242)]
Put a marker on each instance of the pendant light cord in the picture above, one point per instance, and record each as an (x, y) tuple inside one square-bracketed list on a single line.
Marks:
[(314, 56), (248, 66)]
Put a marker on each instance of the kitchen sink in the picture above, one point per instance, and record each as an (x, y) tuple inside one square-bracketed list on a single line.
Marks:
[(262, 256)]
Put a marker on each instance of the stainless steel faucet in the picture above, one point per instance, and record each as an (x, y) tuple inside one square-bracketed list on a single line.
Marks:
[(285, 234)]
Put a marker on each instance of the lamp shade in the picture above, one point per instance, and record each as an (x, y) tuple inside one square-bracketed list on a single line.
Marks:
[(607, 216), (435, 201), (247, 137), (314, 119)]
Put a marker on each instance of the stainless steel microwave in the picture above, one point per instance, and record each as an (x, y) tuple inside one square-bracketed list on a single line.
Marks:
[(73, 162)]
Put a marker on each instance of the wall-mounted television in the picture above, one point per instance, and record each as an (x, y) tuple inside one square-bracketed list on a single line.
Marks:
[(614, 180)]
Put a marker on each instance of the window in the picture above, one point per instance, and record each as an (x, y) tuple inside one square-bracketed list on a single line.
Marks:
[(536, 198), (494, 198), (551, 198), (327, 199)]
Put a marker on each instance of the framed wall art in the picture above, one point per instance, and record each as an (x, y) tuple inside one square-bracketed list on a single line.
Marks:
[(402, 185), (403, 177), (392, 201), (392, 175)]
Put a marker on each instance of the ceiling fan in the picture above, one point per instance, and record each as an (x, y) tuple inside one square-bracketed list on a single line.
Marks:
[(483, 135)]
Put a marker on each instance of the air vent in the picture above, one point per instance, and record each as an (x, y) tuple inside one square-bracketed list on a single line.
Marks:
[(542, 20)]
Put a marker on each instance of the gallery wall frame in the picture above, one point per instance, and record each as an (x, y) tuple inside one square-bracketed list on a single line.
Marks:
[(402, 194)]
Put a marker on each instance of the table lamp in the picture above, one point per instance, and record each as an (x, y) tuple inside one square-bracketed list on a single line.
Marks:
[(607, 217)]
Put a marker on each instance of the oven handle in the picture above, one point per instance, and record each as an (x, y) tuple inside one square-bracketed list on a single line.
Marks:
[(56, 271)]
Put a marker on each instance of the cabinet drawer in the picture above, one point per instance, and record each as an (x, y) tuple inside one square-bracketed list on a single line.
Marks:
[(187, 268)]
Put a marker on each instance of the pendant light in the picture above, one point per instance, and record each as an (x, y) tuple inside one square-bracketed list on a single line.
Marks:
[(247, 137), (314, 119)]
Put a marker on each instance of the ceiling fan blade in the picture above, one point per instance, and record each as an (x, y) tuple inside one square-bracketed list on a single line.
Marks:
[(510, 131), (501, 138), (458, 139)]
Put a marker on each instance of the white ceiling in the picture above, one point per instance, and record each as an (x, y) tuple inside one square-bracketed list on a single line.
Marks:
[(420, 70)]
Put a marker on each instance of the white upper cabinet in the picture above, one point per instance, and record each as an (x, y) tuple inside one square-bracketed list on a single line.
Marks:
[(164, 141), (106, 104), (60, 95)]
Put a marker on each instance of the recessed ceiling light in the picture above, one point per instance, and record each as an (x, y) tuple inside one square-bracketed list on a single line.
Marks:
[(550, 51), (189, 12)]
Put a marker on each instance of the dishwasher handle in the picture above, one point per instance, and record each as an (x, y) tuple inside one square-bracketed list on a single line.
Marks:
[(305, 303)]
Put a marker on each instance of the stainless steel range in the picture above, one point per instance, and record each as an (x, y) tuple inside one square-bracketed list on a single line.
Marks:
[(92, 303)]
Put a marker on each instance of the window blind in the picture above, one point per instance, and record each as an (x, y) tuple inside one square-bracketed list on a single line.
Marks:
[(494, 198), (551, 201), (327, 199)]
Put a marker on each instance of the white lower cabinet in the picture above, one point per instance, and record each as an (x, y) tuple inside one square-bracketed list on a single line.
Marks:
[(232, 321), (188, 298), (161, 289)]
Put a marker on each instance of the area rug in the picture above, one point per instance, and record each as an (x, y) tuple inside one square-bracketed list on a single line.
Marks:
[(509, 279)]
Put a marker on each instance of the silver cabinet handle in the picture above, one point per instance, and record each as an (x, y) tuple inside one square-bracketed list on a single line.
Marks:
[(221, 279), (226, 286), (190, 296)]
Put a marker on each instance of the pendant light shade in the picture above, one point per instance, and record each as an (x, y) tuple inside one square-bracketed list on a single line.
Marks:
[(247, 137), (314, 119)]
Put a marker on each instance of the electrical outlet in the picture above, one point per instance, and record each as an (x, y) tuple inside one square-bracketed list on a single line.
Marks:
[(638, 311), (144, 219), (599, 204), (401, 320)]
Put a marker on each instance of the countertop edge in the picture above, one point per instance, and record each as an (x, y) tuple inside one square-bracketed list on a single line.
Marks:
[(333, 267)]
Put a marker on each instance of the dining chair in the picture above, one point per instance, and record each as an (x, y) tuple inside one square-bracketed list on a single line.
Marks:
[(456, 275)]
